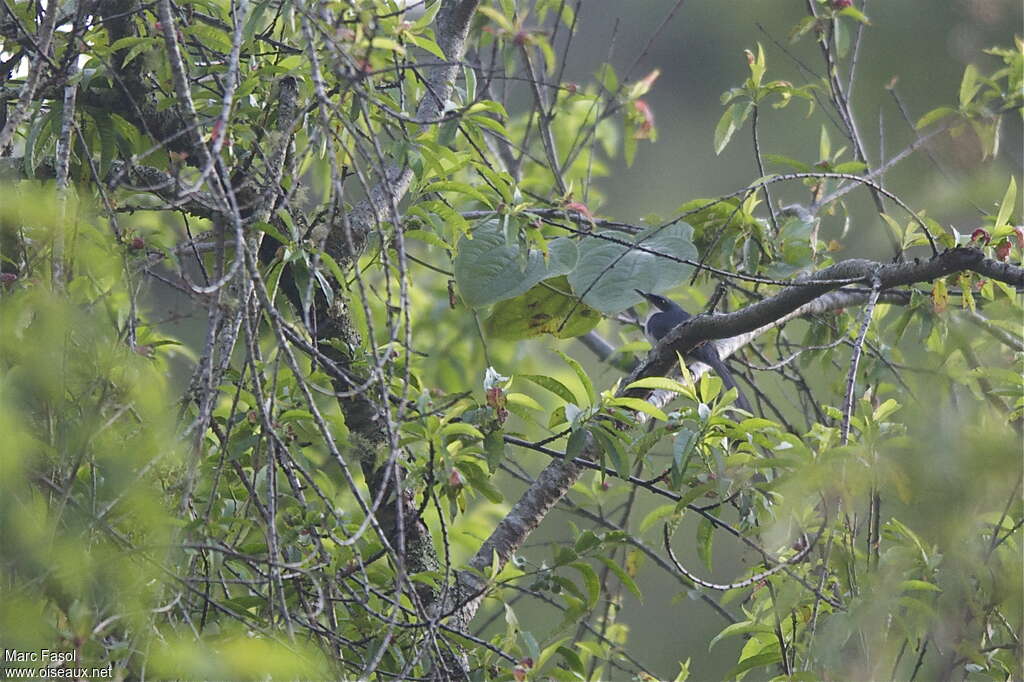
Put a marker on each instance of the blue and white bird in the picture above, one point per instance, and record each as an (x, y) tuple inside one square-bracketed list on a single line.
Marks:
[(669, 315)]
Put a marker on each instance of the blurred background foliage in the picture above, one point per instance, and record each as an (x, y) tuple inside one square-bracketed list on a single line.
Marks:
[(93, 369)]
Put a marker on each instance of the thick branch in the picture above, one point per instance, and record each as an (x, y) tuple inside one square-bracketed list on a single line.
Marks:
[(709, 327), (556, 479)]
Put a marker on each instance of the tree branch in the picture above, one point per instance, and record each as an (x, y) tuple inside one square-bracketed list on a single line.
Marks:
[(556, 479), (452, 28)]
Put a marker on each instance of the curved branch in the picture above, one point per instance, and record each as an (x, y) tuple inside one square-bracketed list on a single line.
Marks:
[(747, 582), (556, 479), (770, 310)]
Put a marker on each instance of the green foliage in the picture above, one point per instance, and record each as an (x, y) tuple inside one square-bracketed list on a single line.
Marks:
[(302, 484), (547, 308), (488, 268), (610, 267), (90, 453), (740, 102)]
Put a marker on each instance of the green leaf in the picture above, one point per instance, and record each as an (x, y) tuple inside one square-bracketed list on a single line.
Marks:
[(577, 441), (523, 400), (479, 481), (427, 237), (489, 123), (563, 556), (384, 43), (934, 115), (254, 21), (611, 446), (294, 415), (919, 585), (659, 384), (609, 269), (548, 651), (607, 78), (108, 142), (39, 137), (494, 446), (428, 17), (885, 409), (487, 106), (1007, 205), (758, 66), (572, 659), (547, 308), (850, 167), (655, 515), (841, 38), (725, 128), (501, 181), (695, 492), (623, 577), (143, 48), (682, 447), (781, 160), (587, 540), (802, 28), (762, 659), (558, 417), (532, 647), (969, 85), (709, 216), (462, 429), (276, 234), (741, 628), (629, 146), (552, 384), (855, 14), (894, 227), (488, 270), (498, 18), (210, 36), (591, 581), (458, 188), (705, 538), (684, 671), (581, 374), (638, 405)]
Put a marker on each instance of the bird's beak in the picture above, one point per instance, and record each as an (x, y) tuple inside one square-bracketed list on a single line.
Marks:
[(646, 296)]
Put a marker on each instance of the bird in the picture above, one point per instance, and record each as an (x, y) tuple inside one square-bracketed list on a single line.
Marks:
[(670, 315)]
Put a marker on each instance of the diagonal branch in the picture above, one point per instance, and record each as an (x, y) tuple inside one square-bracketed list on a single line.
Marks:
[(556, 479)]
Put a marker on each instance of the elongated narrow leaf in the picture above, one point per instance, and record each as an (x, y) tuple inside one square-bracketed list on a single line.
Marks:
[(581, 374), (551, 384), (1009, 201), (705, 538), (638, 405), (659, 383), (623, 577)]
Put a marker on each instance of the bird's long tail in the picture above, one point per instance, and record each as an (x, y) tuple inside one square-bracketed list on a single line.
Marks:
[(708, 354)]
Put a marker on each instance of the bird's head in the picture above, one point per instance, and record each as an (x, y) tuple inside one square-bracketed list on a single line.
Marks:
[(658, 301)]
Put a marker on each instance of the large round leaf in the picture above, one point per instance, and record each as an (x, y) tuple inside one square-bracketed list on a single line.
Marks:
[(610, 268), (548, 308), (488, 269)]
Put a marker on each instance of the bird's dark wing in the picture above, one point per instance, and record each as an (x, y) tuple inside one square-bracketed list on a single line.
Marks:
[(660, 324)]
